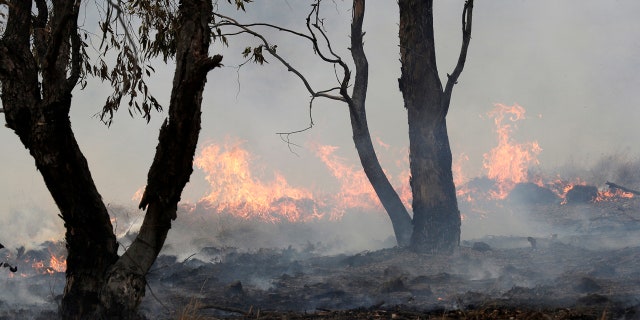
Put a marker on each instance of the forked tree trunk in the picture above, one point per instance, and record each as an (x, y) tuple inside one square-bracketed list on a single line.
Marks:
[(436, 218), (99, 284)]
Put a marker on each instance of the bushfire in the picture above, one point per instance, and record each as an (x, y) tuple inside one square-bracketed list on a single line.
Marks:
[(237, 189)]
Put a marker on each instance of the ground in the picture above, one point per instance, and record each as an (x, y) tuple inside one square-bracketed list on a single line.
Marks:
[(585, 267)]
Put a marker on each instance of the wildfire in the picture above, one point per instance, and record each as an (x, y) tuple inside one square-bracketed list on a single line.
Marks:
[(355, 190), (609, 195), (237, 190), (508, 163), (56, 264), (234, 189)]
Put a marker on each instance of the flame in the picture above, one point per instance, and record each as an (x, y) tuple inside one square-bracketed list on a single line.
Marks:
[(137, 196), (56, 264), (234, 189), (355, 190), (508, 162), (459, 180), (612, 195)]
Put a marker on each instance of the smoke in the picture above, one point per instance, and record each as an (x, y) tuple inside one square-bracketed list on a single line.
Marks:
[(29, 226), (199, 229)]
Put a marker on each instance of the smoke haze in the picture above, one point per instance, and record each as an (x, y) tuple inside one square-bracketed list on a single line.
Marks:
[(573, 65)]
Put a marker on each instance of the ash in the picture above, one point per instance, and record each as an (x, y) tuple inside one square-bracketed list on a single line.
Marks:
[(583, 256)]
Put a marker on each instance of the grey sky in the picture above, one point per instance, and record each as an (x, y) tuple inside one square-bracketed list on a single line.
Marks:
[(574, 65)]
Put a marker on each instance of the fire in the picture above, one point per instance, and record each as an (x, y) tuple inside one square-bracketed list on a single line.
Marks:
[(234, 189), (56, 264), (355, 190), (508, 162), (459, 180), (609, 195)]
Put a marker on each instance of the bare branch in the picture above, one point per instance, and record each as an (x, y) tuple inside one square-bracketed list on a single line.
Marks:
[(284, 136), (234, 23), (467, 15), (270, 48)]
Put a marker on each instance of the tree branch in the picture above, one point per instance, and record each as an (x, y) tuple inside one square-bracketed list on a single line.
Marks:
[(210, 63), (344, 84), (39, 30), (467, 15), (76, 57), (60, 33), (270, 48), (234, 23), (359, 57)]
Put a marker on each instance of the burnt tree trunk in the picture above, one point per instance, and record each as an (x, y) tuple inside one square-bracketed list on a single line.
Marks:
[(436, 218), (99, 284), (173, 162), (39, 115), (400, 219)]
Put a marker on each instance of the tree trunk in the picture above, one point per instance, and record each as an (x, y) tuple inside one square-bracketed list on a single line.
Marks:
[(400, 219), (173, 162), (99, 284), (436, 218), (39, 115)]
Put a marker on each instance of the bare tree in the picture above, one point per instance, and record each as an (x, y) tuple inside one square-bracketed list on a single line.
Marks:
[(436, 218), (42, 59), (435, 226)]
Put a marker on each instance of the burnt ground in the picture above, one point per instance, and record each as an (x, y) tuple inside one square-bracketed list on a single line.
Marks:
[(584, 264)]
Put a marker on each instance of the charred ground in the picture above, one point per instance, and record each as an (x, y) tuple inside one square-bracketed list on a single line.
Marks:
[(580, 261)]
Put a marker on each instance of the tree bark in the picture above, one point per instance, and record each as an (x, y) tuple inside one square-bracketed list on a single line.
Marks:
[(400, 219), (436, 218), (173, 162), (39, 115), (99, 284)]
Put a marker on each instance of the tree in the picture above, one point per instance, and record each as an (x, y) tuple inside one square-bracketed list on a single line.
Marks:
[(42, 59), (436, 218), (435, 226)]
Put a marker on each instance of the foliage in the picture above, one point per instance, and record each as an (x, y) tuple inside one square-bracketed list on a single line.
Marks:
[(157, 27)]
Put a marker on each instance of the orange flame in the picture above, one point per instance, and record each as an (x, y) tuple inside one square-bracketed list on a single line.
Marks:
[(235, 190), (56, 264), (612, 195), (508, 162), (355, 190)]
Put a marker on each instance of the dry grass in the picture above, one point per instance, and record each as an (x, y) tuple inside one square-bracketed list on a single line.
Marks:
[(191, 311)]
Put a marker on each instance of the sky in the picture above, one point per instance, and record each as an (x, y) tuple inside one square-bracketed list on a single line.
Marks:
[(574, 65)]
